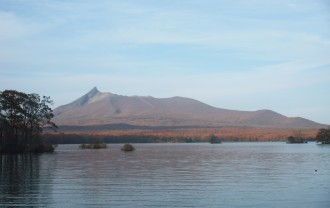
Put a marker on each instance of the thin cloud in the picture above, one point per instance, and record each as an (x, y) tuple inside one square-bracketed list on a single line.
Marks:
[(235, 54)]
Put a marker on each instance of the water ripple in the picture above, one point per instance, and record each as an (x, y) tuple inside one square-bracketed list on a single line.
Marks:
[(170, 175)]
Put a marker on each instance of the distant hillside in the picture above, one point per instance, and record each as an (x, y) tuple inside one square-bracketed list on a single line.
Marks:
[(97, 108)]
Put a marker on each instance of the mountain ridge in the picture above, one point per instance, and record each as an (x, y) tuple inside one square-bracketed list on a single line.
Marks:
[(98, 108)]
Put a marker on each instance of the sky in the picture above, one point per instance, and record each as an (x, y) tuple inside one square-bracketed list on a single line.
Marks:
[(241, 55)]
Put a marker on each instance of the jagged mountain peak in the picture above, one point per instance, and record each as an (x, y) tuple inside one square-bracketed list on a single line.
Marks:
[(93, 92), (87, 97), (92, 96)]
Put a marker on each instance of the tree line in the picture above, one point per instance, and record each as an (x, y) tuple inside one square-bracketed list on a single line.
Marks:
[(22, 119)]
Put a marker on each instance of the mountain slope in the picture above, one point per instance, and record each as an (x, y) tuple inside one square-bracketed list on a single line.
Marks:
[(97, 108)]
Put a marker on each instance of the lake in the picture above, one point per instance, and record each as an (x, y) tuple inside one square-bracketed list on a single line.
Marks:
[(170, 175)]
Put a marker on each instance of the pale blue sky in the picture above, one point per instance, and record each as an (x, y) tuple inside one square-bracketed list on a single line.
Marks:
[(242, 54)]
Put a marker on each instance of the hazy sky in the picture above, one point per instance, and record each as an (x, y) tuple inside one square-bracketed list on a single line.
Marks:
[(242, 54)]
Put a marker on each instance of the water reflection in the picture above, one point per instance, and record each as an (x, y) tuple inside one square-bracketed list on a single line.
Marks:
[(170, 175), (20, 180)]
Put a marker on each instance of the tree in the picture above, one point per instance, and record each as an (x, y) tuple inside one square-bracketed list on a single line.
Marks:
[(22, 118), (213, 139), (323, 136)]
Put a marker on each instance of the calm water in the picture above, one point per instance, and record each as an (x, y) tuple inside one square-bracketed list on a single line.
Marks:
[(170, 175)]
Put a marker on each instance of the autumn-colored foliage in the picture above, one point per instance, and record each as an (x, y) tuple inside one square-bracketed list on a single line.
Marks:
[(249, 134)]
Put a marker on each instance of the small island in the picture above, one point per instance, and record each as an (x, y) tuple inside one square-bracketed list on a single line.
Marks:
[(295, 140), (96, 145), (127, 148)]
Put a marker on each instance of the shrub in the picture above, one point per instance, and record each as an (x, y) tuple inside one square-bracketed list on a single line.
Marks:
[(127, 148)]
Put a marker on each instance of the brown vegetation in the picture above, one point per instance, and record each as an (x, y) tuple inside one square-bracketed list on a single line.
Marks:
[(225, 134)]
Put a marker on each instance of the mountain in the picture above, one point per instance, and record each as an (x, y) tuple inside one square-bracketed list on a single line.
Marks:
[(98, 108)]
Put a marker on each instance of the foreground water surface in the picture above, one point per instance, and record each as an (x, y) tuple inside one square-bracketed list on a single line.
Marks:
[(170, 175)]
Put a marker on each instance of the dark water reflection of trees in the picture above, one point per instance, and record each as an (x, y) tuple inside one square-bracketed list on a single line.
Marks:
[(20, 176)]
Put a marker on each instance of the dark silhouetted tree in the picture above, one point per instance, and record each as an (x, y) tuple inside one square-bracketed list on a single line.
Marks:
[(323, 136), (22, 118)]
